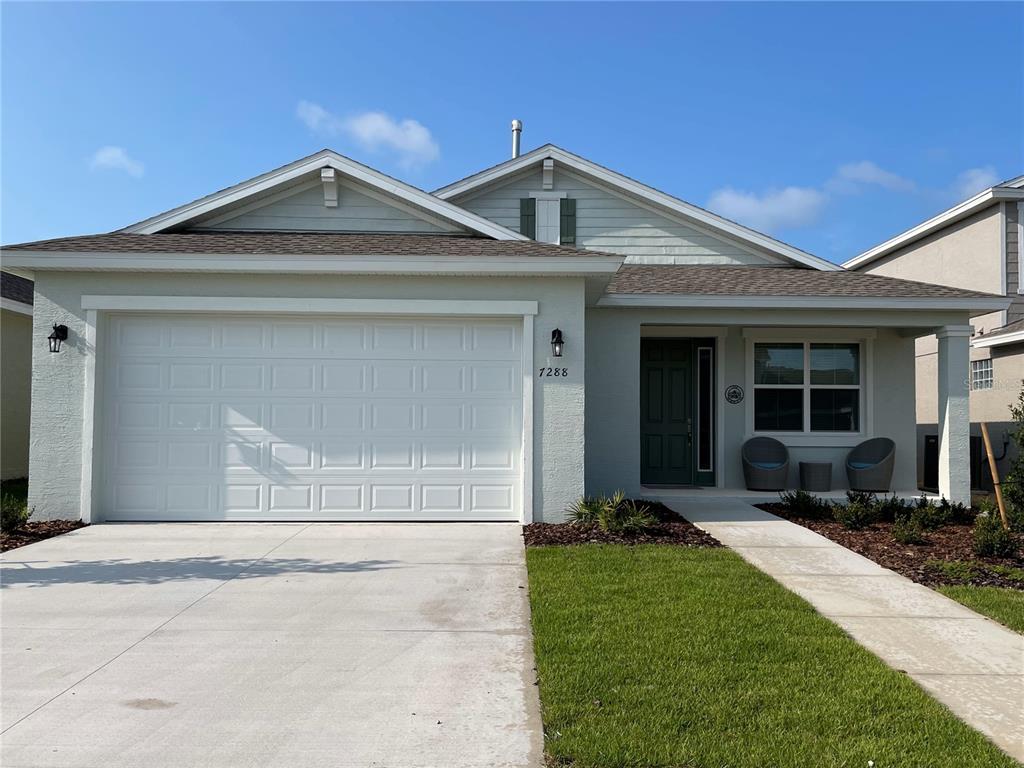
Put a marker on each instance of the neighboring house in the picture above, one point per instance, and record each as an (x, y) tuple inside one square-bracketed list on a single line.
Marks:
[(15, 374), (975, 245), (326, 342)]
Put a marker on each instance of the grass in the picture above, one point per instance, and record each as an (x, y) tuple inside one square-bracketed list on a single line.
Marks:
[(674, 656), (1000, 603)]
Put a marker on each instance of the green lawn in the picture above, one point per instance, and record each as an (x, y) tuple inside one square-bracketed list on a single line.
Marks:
[(1004, 605), (669, 656)]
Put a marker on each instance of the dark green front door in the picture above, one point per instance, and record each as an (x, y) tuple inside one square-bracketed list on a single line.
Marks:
[(666, 412)]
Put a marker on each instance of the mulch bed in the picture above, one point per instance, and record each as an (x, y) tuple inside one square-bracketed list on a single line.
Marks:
[(951, 543), (670, 529), (31, 532)]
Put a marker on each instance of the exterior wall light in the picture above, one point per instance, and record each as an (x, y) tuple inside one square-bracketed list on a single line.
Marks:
[(556, 343), (60, 333)]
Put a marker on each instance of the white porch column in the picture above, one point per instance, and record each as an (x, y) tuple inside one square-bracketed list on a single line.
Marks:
[(954, 413)]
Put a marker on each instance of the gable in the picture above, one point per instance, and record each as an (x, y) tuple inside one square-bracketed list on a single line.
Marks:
[(333, 173), (612, 222), (356, 208)]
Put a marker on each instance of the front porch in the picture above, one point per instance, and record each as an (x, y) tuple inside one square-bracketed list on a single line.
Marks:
[(742, 495), (820, 382)]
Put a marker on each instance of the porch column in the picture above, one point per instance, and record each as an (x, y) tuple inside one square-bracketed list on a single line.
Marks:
[(954, 413)]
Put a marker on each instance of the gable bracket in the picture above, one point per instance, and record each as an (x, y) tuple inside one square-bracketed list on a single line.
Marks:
[(548, 178), (329, 177)]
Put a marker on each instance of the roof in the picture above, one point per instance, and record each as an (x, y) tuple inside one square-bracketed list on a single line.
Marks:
[(693, 214), (1011, 189), (1011, 333), (15, 288), (705, 285), (258, 186), (300, 243)]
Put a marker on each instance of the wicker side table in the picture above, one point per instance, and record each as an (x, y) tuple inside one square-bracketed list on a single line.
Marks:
[(816, 475)]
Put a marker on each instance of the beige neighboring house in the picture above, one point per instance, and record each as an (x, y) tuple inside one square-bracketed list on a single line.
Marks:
[(974, 245), (16, 377)]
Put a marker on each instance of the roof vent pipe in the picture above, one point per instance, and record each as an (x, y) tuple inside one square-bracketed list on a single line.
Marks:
[(517, 131)]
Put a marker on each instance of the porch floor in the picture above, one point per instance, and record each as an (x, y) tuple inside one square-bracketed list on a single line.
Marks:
[(667, 493), (968, 662)]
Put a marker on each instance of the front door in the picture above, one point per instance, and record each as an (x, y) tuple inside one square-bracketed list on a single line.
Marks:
[(666, 412)]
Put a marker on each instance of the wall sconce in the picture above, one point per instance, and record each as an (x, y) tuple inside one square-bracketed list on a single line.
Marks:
[(60, 333), (556, 343)]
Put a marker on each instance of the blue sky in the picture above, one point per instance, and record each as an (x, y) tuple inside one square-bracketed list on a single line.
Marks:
[(832, 126)]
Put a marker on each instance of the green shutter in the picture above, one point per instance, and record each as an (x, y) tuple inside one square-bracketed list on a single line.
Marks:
[(567, 223), (528, 217)]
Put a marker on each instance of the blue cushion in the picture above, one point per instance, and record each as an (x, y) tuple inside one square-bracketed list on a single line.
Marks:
[(766, 464), (862, 464)]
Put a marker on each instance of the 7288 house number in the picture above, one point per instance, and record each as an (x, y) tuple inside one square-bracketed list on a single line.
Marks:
[(553, 372)]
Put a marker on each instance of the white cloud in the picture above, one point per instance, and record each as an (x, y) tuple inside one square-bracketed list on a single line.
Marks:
[(116, 159), (850, 177), (772, 210), (974, 180), (409, 139)]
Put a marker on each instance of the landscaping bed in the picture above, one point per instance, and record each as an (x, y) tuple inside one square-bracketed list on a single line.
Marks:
[(30, 532), (688, 656), (666, 527), (944, 556)]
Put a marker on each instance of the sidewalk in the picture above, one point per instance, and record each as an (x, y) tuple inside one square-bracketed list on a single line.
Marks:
[(971, 664)]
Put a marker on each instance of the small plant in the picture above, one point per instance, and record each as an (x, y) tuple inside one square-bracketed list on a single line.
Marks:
[(954, 570), (907, 530), (14, 512), (991, 539), (859, 512), (613, 514), (891, 509), (804, 504)]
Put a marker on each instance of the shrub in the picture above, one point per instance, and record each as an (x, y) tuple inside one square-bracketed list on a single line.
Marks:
[(1013, 483), (804, 504), (907, 530), (14, 512), (991, 539), (613, 514), (859, 512), (891, 509)]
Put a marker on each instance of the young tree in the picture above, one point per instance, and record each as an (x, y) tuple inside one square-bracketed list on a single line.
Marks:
[(1013, 483)]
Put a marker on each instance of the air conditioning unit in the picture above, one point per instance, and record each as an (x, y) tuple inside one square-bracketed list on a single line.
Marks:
[(981, 478)]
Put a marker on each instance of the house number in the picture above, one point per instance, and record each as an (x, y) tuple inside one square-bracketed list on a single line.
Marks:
[(553, 372)]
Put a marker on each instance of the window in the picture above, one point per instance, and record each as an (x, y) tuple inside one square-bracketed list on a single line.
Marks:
[(981, 374), (807, 387)]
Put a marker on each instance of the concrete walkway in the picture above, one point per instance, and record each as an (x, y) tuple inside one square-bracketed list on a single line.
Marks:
[(228, 645), (968, 662)]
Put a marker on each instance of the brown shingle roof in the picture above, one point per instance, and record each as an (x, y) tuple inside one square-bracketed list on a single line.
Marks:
[(1015, 327), (772, 281), (16, 288), (301, 243)]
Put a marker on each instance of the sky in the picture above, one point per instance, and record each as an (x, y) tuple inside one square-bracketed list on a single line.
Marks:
[(831, 126)]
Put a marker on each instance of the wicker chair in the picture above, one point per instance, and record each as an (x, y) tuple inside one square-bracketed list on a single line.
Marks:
[(869, 465), (765, 464)]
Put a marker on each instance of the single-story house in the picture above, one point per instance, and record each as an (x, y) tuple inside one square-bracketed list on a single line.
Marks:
[(975, 244), (15, 374), (325, 342)]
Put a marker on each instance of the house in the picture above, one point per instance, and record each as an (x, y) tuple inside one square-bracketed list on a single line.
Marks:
[(975, 245), (15, 374), (323, 342)]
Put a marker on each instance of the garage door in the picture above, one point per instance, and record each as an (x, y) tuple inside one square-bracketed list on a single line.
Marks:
[(237, 418)]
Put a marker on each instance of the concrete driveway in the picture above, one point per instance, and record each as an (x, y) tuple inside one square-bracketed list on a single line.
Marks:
[(269, 645)]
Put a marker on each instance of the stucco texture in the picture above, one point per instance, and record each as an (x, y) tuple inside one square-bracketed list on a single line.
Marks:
[(58, 380)]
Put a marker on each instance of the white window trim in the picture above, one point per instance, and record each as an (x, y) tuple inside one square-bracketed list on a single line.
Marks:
[(806, 437), (1020, 247), (94, 305)]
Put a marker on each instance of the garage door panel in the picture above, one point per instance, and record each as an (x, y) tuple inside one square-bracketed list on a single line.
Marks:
[(225, 419)]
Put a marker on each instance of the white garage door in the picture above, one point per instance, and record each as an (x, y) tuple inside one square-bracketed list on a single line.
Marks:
[(239, 418)]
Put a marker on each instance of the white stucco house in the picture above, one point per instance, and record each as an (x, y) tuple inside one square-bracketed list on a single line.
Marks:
[(324, 342)]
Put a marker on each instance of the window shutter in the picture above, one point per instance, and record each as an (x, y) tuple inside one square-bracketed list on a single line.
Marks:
[(567, 225), (528, 217)]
